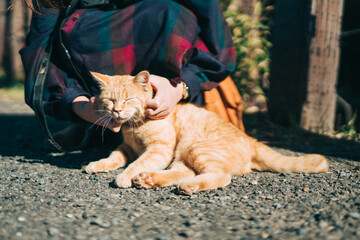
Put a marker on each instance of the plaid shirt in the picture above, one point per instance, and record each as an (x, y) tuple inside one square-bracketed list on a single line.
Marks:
[(189, 42)]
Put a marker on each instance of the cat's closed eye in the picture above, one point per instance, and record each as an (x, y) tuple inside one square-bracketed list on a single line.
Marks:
[(130, 98), (108, 101)]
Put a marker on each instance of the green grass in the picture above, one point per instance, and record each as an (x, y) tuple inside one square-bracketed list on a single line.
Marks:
[(14, 93), (13, 90), (348, 131)]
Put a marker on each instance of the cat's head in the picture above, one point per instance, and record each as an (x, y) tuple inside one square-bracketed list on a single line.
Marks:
[(123, 97)]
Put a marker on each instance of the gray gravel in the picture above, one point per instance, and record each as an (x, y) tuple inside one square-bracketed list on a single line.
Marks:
[(48, 196)]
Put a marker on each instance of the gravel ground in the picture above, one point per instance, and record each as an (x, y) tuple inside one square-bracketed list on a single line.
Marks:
[(48, 196)]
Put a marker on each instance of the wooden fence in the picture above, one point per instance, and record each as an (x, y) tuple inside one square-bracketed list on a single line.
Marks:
[(304, 62)]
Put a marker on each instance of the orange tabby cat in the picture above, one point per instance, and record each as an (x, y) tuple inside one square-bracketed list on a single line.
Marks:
[(192, 148)]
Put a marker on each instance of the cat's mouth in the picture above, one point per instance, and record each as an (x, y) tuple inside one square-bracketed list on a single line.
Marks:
[(127, 116), (121, 119)]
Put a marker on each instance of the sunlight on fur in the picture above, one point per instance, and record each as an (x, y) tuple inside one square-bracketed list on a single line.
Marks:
[(191, 148)]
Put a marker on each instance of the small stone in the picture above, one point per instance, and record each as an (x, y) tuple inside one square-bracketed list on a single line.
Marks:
[(277, 206), (354, 215), (224, 198), (101, 223), (115, 221), (190, 222), (136, 214), (344, 174), (137, 224), (21, 219), (46, 221), (254, 182), (79, 204), (302, 231), (53, 231), (244, 217), (186, 234), (306, 189), (69, 215), (323, 224), (265, 235), (160, 199), (162, 238)]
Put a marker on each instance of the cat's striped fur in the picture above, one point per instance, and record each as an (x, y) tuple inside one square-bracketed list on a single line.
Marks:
[(192, 148)]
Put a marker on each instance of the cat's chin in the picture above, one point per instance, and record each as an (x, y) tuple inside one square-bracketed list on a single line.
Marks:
[(121, 120), (124, 120)]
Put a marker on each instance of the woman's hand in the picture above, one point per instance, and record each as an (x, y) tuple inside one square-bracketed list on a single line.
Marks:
[(85, 108), (166, 97)]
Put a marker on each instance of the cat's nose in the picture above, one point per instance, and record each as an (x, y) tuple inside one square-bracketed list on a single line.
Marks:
[(117, 111)]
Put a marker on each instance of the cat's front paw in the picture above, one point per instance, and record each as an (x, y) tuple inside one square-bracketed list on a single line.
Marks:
[(187, 189), (92, 168), (122, 181), (143, 180), (103, 165)]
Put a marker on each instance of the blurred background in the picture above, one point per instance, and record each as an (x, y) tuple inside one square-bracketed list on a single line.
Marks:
[(297, 61)]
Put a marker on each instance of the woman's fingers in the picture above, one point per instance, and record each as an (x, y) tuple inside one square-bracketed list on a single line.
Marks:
[(156, 114), (166, 97), (153, 103)]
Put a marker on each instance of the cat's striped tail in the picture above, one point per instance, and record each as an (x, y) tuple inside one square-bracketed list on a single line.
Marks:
[(266, 159)]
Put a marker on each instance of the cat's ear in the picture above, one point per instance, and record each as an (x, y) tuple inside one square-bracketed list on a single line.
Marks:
[(102, 79), (142, 78)]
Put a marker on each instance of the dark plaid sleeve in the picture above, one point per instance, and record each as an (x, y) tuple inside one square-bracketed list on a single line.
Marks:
[(60, 90), (214, 55), (189, 41)]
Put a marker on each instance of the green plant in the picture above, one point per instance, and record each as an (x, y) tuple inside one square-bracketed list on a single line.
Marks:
[(17, 84), (252, 51), (348, 130)]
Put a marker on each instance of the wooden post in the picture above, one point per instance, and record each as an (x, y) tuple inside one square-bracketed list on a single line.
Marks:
[(14, 26), (2, 29), (8, 57), (318, 111), (304, 63)]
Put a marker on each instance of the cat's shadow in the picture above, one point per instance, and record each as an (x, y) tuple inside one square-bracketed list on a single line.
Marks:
[(113, 185), (298, 140), (21, 139)]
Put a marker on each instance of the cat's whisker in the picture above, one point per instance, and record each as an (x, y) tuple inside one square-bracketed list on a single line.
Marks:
[(139, 119), (133, 122), (100, 122), (132, 125), (108, 121), (101, 110)]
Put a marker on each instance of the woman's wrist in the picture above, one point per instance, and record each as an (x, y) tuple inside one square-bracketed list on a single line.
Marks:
[(79, 105)]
